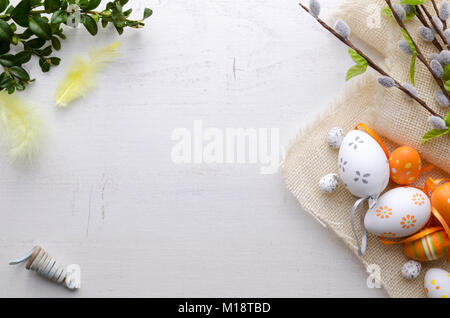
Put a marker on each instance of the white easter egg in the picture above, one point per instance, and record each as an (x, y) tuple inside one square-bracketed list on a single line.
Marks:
[(363, 165), (411, 269), (329, 183), (437, 283), (335, 137), (399, 212)]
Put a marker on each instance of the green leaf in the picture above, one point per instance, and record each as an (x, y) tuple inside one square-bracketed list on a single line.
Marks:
[(355, 70), (46, 51), (119, 29), (359, 68), (40, 27), (3, 5), (91, 5), (58, 17), (413, 2), (7, 60), (89, 24), (22, 57), (447, 120), (386, 11), (44, 64), (56, 43), (412, 69), (446, 76), (20, 12), (410, 42), (447, 85), (434, 133), (52, 5), (20, 73), (25, 35), (55, 60), (5, 31), (4, 80), (4, 47), (357, 58), (35, 43), (147, 13)]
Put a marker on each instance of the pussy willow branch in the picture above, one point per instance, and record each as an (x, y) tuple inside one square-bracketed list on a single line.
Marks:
[(422, 19), (439, 31), (371, 63), (437, 13), (420, 55)]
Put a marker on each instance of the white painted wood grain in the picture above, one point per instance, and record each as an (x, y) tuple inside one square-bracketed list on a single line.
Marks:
[(105, 193)]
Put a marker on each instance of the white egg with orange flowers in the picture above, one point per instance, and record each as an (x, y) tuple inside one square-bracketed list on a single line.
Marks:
[(399, 212)]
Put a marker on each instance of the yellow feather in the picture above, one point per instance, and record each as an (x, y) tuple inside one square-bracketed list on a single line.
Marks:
[(81, 76), (20, 126)]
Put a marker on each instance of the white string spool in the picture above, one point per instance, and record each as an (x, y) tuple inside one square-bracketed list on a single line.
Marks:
[(41, 262)]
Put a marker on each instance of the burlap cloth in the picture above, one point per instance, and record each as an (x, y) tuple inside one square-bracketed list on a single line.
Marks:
[(391, 115)]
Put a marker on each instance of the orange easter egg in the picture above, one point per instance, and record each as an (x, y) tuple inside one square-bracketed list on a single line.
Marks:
[(428, 248), (405, 165), (440, 200)]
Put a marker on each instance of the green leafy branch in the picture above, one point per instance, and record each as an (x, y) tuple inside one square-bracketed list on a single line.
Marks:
[(35, 28), (434, 133)]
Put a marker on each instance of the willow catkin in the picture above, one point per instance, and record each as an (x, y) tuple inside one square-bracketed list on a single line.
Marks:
[(408, 8), (437, 68), (401, 13), (434, 56), (404, 47), (444, 10), (438, 22), (426, 34), (386, 81), (437, 122), (441, 99), (410, 88), (314, 7), (444, 57), (342, 29), (447, 35)]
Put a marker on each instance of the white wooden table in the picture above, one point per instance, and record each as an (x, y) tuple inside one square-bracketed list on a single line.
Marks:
[(105, 193)]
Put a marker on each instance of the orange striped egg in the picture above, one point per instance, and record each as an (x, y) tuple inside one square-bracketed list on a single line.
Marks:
[(428, 248), (440, 200), (405, 164)]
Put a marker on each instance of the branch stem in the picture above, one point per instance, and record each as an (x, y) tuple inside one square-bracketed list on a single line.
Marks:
[(437, 13), (439, 31), (425, 23), (420, 55), (371, 63)]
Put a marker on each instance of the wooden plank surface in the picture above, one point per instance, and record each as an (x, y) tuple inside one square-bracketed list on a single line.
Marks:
[(105, 194)]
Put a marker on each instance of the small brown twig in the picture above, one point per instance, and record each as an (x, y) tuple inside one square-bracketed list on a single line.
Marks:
[(425, 23), (371, 63), (420, 55), (437, 13), (439, 31)]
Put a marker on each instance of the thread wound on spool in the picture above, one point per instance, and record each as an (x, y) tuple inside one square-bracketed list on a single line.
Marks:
[(41, 262)]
